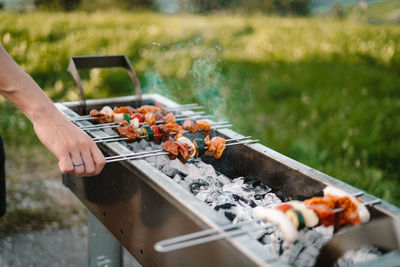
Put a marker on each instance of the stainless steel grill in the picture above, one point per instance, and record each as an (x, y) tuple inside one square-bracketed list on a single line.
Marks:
[(140, 205)]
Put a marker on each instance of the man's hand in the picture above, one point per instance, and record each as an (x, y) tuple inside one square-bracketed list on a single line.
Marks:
[(75, 150)]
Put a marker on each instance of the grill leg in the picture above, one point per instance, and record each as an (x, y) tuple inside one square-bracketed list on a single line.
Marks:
[(104, 249)]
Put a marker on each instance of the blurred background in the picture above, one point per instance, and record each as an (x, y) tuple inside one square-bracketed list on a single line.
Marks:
[(316, 80)]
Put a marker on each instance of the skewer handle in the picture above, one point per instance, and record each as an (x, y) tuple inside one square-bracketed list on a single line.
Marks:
[(206, 236)]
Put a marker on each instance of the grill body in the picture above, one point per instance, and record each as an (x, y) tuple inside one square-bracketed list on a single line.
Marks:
[(140, 205)]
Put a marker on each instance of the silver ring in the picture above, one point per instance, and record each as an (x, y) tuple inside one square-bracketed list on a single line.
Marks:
[(77, 165)]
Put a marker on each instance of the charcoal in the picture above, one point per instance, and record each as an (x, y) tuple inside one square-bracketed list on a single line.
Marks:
[(213, 181), (259, 197), (261, 189), (223, 179), (224, 206), (196, 186), (362, 254), (242, 213), (220, 197), (235, 187), (237, 198), (305, 250), (230, 215), (169, 170), (253, 183), (270, 199), (204, 196), (177, 178)]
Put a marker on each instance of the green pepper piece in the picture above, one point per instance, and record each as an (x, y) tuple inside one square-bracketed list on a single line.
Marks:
[(149, 133), (200, 147), (127, 117)]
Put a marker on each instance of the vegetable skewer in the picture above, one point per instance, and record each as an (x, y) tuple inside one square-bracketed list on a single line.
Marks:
[(222, 232), (161, 152), (118, 138), (170, 109)]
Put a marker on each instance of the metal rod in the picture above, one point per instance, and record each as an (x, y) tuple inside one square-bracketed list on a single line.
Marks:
[(114, 125), (369, 203), (182, 107), (189, 115), (195, 117), (138, 157), (357, 194), (117, 138), (206, 236)]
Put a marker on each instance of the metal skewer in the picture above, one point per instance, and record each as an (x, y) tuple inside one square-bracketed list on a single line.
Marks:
[(206, 236), (210, 235), (85, 118), (114, 125), (117, 138), (369, 203), (171, 109), (160, 152)]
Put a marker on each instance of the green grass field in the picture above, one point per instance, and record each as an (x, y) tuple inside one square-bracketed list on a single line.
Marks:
[(324, 92)]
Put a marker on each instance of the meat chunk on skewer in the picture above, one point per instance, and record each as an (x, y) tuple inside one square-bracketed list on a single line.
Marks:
[(149, 109), (149, 118), (172, 148), (125, 109), (175, 128), (184, 152), (160, 133), (128, 131), (204, 126), (169, 118), (215, 146), (219, 144), (101, 118), (191, 126)]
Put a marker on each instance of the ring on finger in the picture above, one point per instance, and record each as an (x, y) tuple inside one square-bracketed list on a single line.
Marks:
[(78, 164)]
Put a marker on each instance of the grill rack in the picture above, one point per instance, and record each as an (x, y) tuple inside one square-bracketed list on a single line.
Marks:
[(140, 206)]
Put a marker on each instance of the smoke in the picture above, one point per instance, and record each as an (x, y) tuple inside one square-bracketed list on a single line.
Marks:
[(208, 85)]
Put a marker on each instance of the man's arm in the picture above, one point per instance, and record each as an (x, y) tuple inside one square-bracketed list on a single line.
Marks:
[(67, 142)]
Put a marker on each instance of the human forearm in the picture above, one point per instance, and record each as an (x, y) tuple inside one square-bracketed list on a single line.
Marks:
[(22, 91), (76, 151)]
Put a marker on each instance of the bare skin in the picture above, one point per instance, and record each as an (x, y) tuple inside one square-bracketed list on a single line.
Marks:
[(67, 142)]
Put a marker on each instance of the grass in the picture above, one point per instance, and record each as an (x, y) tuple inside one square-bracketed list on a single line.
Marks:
[(321, 91)]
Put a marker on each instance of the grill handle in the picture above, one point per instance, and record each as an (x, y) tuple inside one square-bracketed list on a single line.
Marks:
[(89, 62)]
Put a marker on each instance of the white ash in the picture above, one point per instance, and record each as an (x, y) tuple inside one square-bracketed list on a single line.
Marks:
[(235, 199), (362, 254)]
